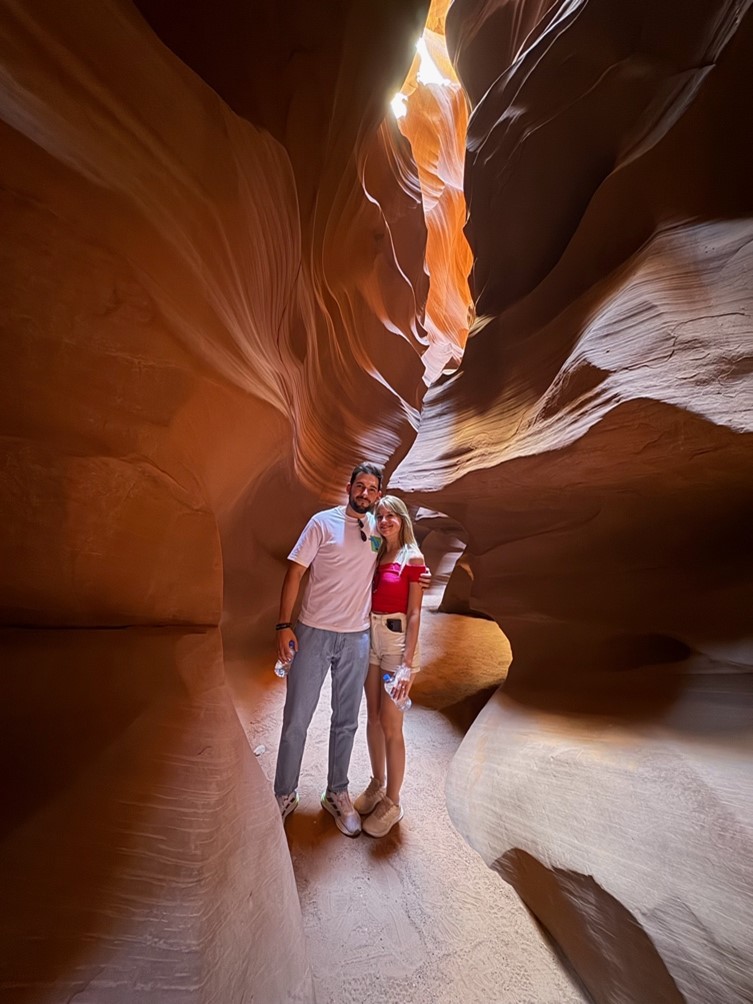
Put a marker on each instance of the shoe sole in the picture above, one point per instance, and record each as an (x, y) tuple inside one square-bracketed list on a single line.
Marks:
[(336, 816)]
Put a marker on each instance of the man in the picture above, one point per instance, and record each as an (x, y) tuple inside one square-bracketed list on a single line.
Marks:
[(339, 546)]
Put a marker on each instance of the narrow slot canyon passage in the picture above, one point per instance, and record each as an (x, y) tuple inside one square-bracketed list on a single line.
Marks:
[(396, 919), (247, 245)]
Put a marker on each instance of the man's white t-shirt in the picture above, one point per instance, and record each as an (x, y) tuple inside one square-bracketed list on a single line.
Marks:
[(337, 596)]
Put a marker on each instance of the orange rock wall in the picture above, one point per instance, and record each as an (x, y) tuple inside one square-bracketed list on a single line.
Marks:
[(213, 299), (435, 122), (595, 446), (202, 314)]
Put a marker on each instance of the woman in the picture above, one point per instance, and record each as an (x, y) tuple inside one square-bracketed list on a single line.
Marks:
[(395, 617)]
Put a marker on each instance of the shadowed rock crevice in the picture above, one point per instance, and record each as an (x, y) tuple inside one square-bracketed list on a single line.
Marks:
[(579, 916)]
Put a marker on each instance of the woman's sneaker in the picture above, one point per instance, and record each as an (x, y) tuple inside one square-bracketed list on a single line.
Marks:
[(370, 797), (339, 805), (383, 818)]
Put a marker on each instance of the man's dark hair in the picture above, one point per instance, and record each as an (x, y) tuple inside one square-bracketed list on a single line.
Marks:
[(367, 468)]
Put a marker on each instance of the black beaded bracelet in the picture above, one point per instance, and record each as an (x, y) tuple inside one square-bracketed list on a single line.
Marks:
[(283, 624)]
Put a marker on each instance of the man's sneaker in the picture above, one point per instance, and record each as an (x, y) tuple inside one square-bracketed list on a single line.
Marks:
[(339, 805), (383, 818), (287, 804), (370, 797)]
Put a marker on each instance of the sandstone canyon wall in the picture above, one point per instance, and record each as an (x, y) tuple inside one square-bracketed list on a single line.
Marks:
[(214, 297), (210, 287), (595, 445)]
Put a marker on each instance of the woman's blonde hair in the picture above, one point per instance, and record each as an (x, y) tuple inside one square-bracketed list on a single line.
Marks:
[(408, 545)]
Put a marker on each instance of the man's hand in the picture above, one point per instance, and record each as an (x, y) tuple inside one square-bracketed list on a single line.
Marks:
[(290, 587), (424, 579), (284, 638)]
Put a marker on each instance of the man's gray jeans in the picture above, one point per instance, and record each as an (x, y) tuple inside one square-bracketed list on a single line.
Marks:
[(348, 655)]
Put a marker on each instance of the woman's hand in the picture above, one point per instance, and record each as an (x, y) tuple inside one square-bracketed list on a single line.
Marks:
[(403, 682)]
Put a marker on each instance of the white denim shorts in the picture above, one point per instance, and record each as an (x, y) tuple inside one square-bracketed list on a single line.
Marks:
[(388, 647)]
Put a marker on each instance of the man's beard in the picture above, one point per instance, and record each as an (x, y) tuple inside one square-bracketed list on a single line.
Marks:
[(360, 509)]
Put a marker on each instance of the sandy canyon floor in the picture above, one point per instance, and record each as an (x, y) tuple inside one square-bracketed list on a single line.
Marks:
[(415, 916)]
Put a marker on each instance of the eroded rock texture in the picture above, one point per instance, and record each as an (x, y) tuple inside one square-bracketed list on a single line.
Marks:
[(435, 122), (199, 301), (596, 448), (213, 298)]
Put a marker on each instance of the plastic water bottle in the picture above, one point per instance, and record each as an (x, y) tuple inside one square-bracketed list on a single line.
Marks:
[(391, 680), (283, 668)]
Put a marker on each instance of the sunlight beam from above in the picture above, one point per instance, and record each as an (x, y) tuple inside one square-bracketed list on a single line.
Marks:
[(428, 71), (399, 105)]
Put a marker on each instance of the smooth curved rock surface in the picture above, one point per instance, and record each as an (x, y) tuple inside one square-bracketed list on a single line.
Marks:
[(157, 874), (213, 299), (595, 447), (435, 122), (203, 310)]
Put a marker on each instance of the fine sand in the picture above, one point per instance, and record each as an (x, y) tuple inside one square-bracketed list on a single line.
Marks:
[(415, 916)]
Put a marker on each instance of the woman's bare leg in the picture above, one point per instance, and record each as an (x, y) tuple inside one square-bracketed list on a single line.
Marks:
[(374, 733), (392, 729)]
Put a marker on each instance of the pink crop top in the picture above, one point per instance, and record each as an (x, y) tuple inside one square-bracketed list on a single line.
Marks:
[(390, 588)]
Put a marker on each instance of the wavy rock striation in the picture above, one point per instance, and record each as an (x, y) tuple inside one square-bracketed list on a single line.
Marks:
[(202, 308), (213, 299), (595, 446), (435, 121)]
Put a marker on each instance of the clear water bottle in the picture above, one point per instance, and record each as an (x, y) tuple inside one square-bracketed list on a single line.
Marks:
[(283, 668), (390, 681)]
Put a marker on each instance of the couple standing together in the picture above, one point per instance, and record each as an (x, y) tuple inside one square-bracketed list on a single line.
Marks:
[(359, 616)]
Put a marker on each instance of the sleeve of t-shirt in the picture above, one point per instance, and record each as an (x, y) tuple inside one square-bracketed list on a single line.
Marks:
[(414, 572), (308, 543)]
